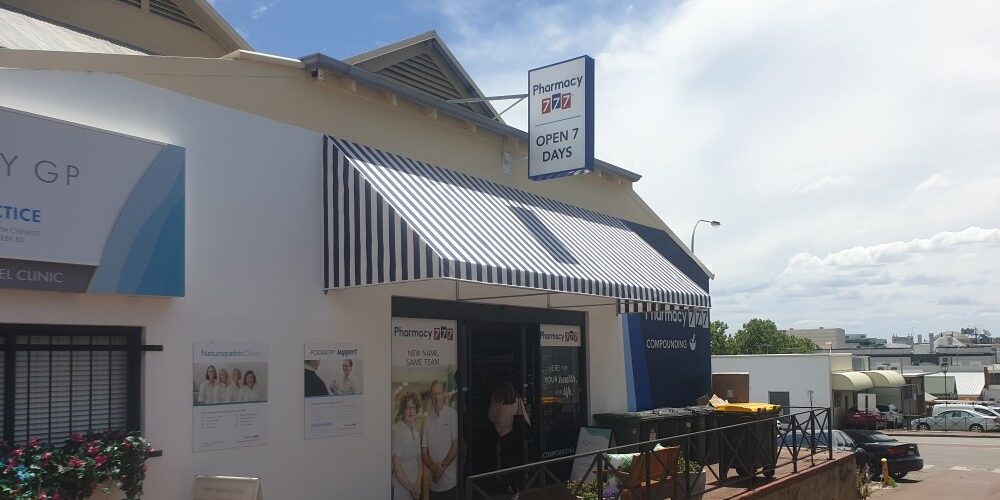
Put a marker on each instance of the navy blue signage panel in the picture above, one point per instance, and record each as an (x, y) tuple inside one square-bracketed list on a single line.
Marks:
[(668, 358)]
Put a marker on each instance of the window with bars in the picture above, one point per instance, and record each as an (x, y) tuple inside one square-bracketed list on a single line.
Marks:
[(57, 380)]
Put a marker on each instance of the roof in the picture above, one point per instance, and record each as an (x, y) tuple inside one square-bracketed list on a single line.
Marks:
[(885, 378), (968, 383), (189, 28), (413, 216), (424, 63), (23, 31), (850, 381)]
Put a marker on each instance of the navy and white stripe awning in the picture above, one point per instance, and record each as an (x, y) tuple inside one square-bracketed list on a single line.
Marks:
[(391, 219)]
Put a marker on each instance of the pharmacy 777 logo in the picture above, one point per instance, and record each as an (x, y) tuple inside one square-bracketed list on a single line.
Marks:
[(563, 100)]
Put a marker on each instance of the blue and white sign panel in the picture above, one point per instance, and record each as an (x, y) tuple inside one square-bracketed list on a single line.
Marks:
[(668, 358), (561, 119), (86, 210)]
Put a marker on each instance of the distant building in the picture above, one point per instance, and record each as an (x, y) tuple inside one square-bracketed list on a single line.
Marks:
[(820, 336), (863, 340), (903, 339)]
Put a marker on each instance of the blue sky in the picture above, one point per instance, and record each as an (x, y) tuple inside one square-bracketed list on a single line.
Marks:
[(849, 147)]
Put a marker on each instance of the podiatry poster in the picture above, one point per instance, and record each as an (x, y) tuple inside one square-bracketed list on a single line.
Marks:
[(333, 390), (229, 394), (88, 210), (424, 393)]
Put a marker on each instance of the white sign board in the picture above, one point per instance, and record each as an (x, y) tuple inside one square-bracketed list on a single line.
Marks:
[(81, 209), (334, 390), (229, 395), (866, 402), (591, 439), (560, 336), (561, 119), (226, 488)]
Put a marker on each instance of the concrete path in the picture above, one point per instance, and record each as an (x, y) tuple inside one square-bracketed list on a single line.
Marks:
[(966, 468)]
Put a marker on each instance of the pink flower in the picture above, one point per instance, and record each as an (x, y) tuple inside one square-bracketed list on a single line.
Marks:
[(17, 453), (75, 462), (34, 443), (127, 445), (101, 460), (93, 450), (76, 437)]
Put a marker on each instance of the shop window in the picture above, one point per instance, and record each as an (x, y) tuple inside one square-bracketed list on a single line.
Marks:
[(57, 380)]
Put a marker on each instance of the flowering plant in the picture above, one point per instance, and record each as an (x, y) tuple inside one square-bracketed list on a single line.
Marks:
[(75, 470)]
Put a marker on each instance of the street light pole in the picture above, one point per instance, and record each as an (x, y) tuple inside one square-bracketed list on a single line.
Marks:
[(714, 223)]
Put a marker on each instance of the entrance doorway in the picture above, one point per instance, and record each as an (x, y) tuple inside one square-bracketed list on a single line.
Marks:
[(495, 354)]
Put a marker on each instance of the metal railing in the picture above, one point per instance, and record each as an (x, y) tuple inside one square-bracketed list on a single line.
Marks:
[(681, 466), (968, 423)]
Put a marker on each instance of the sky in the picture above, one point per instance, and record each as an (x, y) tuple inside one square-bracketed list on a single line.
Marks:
[(851, 149)]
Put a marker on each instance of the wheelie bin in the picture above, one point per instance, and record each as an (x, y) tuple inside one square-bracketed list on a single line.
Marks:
[(749, 449)]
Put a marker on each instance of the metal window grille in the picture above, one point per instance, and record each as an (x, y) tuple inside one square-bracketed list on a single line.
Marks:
[(57, 380)]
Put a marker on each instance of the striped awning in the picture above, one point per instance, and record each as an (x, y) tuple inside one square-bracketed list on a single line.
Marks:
[(391, 219)]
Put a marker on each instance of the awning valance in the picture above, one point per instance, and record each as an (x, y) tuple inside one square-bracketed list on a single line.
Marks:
[(850, 381), (885, 378), (391, 219)]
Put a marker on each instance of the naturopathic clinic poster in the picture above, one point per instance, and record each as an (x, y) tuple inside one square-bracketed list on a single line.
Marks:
[(334, 390), (229, 394)]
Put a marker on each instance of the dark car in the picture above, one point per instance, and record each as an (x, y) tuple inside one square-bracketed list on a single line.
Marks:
[(902, 457), (802, 442), (861, 419)]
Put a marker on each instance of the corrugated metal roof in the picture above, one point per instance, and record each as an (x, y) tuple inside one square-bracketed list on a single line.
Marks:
[(25, 32), (968, 384)]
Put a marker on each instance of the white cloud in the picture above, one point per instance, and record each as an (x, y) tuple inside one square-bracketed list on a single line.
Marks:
[(261, 9), (832, 139)]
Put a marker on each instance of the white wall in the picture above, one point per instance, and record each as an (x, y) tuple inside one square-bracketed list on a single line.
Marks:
[(254, 274), (794, 373)]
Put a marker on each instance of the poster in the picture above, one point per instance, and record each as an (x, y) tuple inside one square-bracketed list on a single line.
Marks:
[(560, 418), (333, 390), (229, 395), (424, 402)]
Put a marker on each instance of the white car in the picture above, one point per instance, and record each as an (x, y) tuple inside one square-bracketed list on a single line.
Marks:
[(984, 410), (893, 418), (958, 420)]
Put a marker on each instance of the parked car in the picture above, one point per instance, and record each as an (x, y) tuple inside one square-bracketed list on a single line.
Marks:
[(893, 417), (958, 420), (985, 410), (901, 457), (863, 419), (803, 440)]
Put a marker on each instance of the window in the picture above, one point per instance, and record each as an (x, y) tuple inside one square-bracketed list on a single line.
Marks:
[(57, 380), (780, 398)]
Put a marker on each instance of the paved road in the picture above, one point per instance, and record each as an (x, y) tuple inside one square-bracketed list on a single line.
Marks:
[(954, 467)]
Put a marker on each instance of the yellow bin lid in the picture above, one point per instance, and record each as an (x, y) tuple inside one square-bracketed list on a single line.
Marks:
[(747, 407)]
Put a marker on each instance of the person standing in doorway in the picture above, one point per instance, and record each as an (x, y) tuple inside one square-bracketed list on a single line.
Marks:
[(439, 446), (506, 407)]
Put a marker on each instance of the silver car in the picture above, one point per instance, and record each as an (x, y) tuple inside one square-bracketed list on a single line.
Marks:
[(958, 420)]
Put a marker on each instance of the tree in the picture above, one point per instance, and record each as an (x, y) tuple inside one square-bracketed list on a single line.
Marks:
[(761, 336), (721, 343)]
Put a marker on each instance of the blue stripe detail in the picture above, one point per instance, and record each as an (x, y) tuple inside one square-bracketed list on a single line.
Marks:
[(640, 396), (144, 253)]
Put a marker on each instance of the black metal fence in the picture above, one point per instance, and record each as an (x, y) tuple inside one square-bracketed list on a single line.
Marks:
[(683, 466)]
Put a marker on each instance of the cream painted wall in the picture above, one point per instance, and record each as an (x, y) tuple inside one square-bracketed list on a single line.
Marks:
[(254, 274), (287, 93)]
